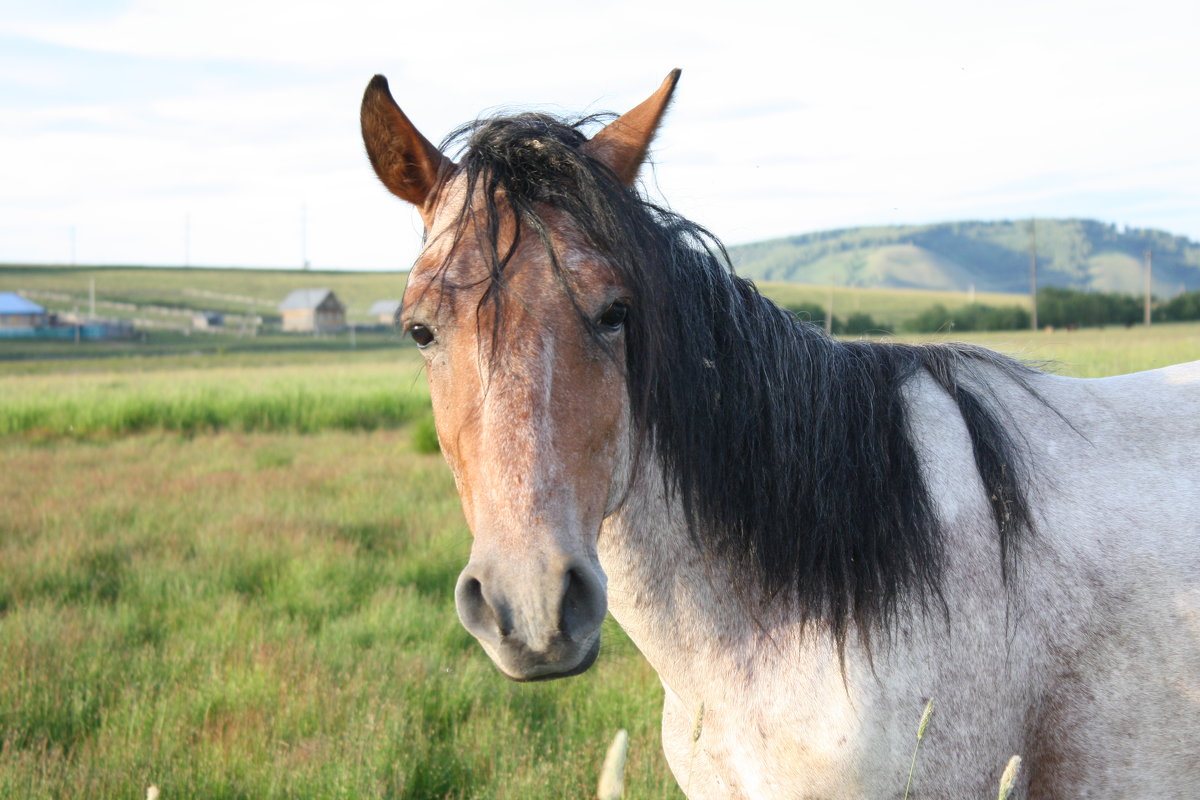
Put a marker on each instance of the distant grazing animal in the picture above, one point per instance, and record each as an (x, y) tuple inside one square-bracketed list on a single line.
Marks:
[(807, 538)]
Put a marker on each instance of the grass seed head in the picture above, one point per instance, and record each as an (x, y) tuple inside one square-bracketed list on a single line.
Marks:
[(925, 719), (612, 775), (1009, 777)]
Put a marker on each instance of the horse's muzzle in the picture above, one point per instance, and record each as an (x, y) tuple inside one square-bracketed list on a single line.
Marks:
[(534, 626)]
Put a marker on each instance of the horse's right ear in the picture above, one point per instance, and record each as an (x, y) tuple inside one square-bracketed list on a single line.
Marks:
[(408, 164), (624, 142)]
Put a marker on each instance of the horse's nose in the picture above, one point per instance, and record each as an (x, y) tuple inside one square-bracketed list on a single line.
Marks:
[(487, 617), (538, 625), (584, 603)]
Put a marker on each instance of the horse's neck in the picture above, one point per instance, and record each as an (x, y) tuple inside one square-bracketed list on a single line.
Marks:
[(681, 607), (678, 605)]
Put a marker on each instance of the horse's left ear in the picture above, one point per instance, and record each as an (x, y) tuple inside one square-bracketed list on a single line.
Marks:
[(409, 165), (624, 142)]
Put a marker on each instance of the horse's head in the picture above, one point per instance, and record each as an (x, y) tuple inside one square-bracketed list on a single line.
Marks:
[(521, 318)]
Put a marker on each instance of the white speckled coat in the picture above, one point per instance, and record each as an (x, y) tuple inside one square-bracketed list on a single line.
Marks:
[(1088, 666), (1086, 663)]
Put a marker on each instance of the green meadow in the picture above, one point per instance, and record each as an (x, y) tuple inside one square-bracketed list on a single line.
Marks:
[(230, 575), (234, 291), (234, 604), (242, 291), (270, 615), (268, 398), (890, 308), (1090, 352)]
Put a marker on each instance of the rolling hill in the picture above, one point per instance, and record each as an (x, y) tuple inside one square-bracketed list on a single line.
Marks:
[(989, 256), (164, 295), (951, 262)]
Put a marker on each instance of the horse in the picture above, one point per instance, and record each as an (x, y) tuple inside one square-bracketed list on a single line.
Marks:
[(808, 539)]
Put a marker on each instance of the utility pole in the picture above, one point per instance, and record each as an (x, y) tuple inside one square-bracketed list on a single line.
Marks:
[(187, 239), (92, 298), (1146, 308), (829, 312), (304, 235), (1033, 321)]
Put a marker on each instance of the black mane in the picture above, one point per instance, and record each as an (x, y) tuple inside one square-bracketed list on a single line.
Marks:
[(789, 451)]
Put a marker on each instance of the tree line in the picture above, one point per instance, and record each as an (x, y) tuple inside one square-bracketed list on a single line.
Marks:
[(1056, 306)]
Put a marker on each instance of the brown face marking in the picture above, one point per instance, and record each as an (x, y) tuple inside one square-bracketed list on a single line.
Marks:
[(531, 412), (528, 388), (531, 419)]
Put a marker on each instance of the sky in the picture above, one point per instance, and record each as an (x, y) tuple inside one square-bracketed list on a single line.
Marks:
[(225, 133)]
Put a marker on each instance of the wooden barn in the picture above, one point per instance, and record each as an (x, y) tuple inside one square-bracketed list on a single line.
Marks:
[(312, 311), (384, 312)]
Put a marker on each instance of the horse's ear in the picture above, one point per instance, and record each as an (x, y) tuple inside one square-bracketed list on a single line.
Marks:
[(624, 142), (408, 164)]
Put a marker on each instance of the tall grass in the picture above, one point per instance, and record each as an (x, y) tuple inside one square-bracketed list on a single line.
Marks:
[(364, 397), (262, 614), (183, 613), (1092, 352), (389, 392)]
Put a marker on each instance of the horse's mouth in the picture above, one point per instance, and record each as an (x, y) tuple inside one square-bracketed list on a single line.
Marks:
[(550, 672)]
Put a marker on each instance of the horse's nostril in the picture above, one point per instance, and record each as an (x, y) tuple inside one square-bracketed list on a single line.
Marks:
[(478, 615), (583, 604)]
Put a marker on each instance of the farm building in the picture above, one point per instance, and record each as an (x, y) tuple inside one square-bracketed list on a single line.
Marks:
[(18, 312), (312, 311), (385, 312), (208, 320)]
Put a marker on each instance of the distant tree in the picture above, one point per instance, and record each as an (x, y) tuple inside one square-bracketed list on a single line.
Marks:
[(1181, 308), (1064, 307), (812, 312), (971, 317), (935, 318), (856, 324)]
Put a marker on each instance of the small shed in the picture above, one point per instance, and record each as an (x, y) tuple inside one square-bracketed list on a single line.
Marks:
[(207, 320), (312, 311), (385, 312), (19, 312)]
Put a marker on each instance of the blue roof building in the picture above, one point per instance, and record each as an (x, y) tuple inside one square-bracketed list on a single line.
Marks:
[(13, 303), (19, 312)]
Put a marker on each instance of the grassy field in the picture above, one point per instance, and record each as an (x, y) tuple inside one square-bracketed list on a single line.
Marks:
[(1092, 352), (888, 307), (264, 615), (158, 349), (299, 399), (230, 604), (217, 290), (240, 613), (235, 291)]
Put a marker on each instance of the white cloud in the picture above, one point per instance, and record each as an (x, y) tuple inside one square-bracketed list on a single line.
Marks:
[(240, 112)]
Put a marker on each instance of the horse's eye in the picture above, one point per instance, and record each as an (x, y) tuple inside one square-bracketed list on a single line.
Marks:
[(421, 335), (614, 316)]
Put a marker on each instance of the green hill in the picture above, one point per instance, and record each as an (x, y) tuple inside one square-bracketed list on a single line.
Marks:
[(989, 256), (161, 294), (952, 263), (159, 301)]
